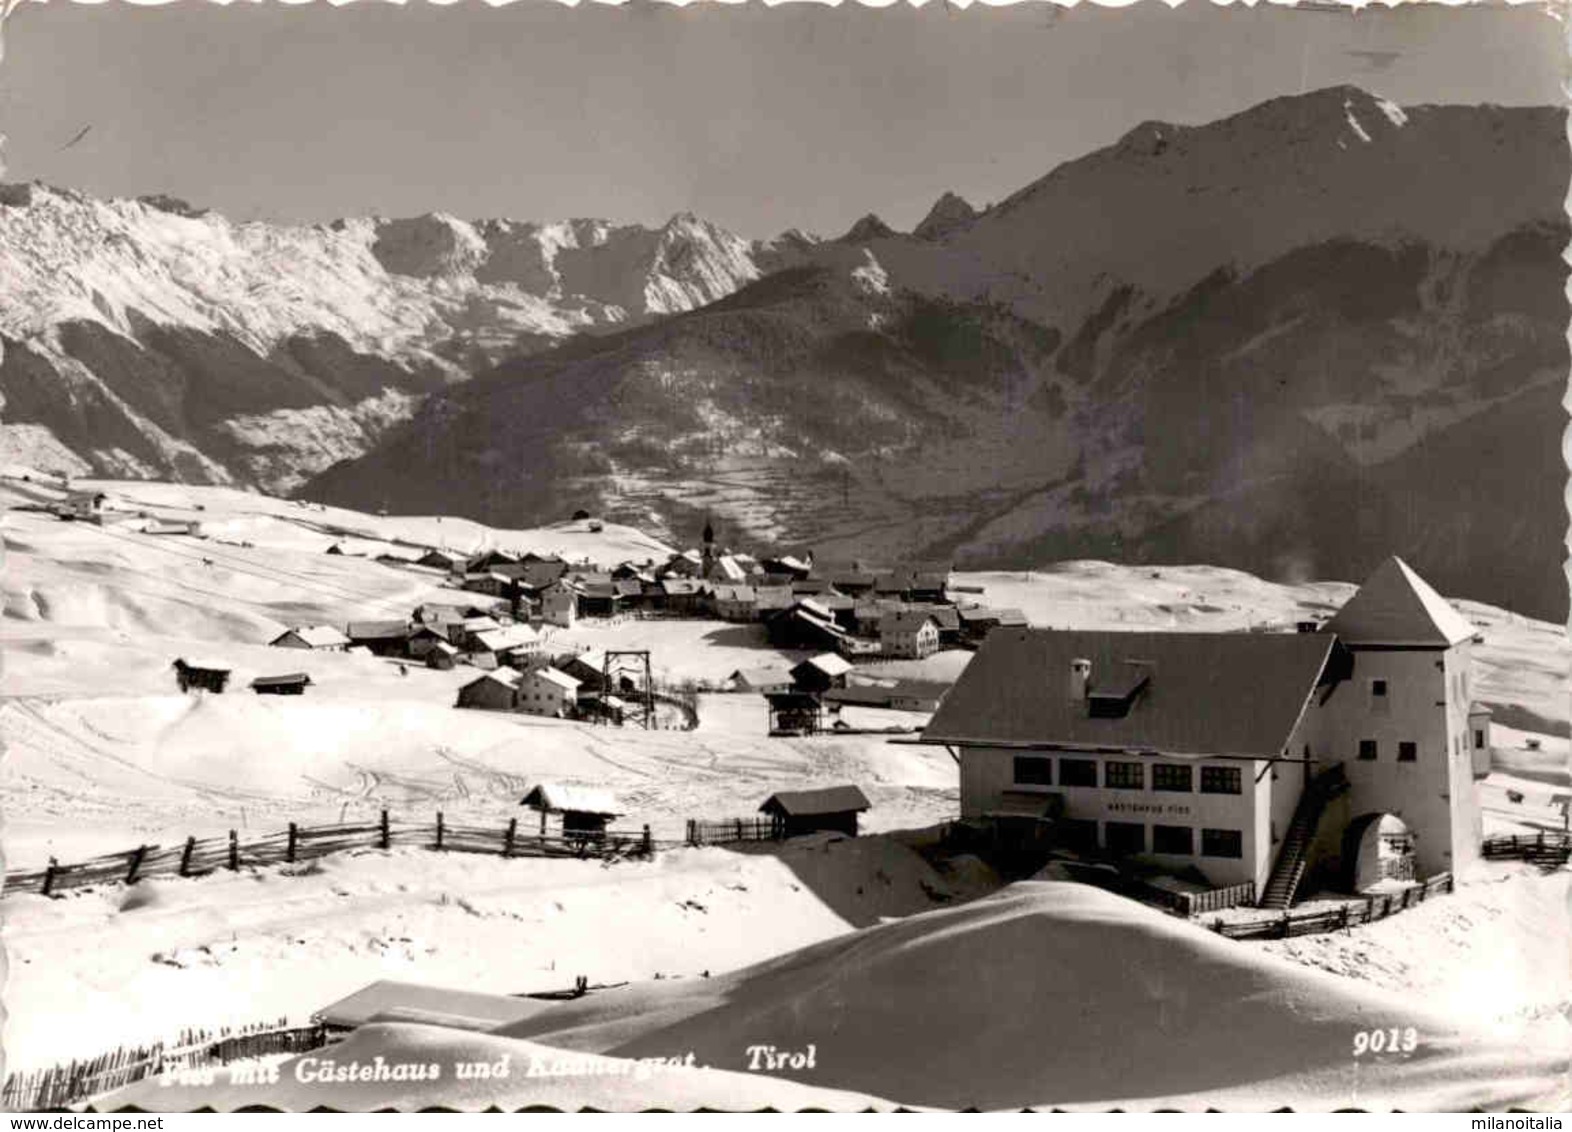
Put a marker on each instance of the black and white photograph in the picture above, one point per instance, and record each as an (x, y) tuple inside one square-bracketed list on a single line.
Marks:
[(736, 556)]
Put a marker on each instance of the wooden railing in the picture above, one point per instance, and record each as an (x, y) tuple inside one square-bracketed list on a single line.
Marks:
[(1197, 903), (1348, 915), (756, 828), (76, 1081), (297, 843), (1547, 847)]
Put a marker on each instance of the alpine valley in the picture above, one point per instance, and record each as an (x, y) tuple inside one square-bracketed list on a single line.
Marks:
[(1294, 341)]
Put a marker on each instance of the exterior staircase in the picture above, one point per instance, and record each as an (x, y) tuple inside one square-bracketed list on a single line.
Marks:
[(1294, 854)]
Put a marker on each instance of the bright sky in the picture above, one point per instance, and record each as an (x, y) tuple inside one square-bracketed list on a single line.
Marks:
[(760, 119)]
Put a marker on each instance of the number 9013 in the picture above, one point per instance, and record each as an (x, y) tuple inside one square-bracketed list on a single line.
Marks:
[(1393, 1040)]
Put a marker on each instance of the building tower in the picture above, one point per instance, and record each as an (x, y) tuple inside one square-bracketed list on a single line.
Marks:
[(708, 549), (1400, 723)]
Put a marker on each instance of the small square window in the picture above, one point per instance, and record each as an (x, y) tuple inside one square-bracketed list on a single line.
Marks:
[(1221, 780), (1222, 843), (1175, 839), (1124, 837), (1378, 687), (1033, 771), (1077, 772), (1124, 776), (1367, 750), (1407, 751), (1175, 779)]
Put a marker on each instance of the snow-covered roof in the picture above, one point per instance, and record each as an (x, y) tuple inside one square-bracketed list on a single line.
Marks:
[(1396, 606), (507, 637), (558, 677), (829, 663), (317, 636), (507, 677), (761, 677), (413, 1002), (553, 797)]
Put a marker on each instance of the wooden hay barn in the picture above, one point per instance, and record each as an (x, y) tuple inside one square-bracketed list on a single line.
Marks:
[(794, 713), (833, 809), (380, 638), (820, 673), (208, 678), (584, 811)]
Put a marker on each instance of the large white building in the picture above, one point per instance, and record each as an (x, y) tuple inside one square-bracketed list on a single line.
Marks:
[(1250, 756)]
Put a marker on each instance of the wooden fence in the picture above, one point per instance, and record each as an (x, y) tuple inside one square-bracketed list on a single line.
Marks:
[(78, 1081), (1349, 915), (726, 831), (303, 843), (1548, 847), (1197, 903)]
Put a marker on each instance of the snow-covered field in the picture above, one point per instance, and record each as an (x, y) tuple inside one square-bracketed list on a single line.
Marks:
[(102, 753)]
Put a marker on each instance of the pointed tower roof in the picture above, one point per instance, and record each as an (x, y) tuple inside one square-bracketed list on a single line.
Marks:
[(1396, 606)]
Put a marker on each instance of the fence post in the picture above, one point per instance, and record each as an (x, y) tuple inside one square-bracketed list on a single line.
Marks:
[(439, 829), (1282, 928), (387, 833), (507, 841), (739, 829), (693, 832), (1343, 919), (136, 863), (289, 852), (234, 851), (185, 857), (49, 876), (648, 847)]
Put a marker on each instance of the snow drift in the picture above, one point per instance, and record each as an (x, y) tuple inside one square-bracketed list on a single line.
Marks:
[(1051, 993)]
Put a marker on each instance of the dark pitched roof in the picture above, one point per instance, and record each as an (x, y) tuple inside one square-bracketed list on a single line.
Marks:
[(1395, 606), (804, 803), (1208, 693), (905, 620), (284, 681)]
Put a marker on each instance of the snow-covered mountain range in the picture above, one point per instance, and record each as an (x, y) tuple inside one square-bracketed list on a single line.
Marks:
[(148, 338), (1296, 340)]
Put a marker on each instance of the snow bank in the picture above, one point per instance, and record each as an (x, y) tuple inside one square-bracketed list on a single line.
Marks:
[(1058, 994)]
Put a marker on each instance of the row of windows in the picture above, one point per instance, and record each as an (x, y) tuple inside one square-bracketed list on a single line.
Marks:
[(1370, 750), (1036, 770), (1172, 840)]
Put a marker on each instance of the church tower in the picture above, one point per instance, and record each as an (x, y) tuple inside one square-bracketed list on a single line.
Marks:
[(708, 548)]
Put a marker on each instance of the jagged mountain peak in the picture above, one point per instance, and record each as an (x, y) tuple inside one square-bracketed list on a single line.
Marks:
[(949, 213), (870, 227)]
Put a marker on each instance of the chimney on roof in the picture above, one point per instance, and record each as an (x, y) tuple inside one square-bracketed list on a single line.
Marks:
[(1080, 678)]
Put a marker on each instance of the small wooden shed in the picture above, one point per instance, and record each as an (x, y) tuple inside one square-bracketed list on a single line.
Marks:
[(831, 809), (794, 713), (584, 811), (290, 684), (208, 678)]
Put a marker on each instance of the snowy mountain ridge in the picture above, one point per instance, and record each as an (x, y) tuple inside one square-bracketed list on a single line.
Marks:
[(419, 303)]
